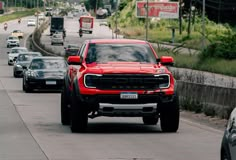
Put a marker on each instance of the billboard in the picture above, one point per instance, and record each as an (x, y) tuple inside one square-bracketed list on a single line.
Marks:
[(168, 10)]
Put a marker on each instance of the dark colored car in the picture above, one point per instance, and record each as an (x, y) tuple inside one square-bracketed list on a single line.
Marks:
[(228, 145), (44, 73), (23, 60), (71, 50)]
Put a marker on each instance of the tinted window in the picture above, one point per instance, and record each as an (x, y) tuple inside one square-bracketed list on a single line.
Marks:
[(13, 38), (87, 20), (48, 64), (103, 53), (26, 57), (19, 50)]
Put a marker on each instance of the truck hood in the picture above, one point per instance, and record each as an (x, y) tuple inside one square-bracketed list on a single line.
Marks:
[(124, 68)]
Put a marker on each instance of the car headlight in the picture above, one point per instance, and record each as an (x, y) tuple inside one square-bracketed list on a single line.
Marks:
[(18, 66), (32, 74), (11, 58), (163, 80)]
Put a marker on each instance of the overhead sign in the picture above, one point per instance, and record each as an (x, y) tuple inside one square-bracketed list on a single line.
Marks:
[(168, 10)]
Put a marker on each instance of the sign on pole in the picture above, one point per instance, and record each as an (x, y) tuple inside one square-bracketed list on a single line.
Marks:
[(168, 10)]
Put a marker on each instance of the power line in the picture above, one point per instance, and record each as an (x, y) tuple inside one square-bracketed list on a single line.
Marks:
[(216, 6)]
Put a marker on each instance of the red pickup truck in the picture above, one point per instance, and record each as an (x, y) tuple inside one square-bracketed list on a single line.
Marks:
[(119, 78)]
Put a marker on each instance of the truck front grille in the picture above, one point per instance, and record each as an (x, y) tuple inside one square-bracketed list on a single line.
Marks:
[(127, 81)]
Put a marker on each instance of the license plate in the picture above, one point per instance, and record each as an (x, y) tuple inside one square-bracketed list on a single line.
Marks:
[(128, 95), (51, 82)]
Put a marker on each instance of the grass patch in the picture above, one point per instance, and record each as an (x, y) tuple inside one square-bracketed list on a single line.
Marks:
[(16, 15)]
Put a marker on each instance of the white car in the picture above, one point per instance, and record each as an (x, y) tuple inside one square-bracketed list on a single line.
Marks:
[(57, 39), (13, 54), (13, 41), (70, 15), (31, 22), (41, 16)]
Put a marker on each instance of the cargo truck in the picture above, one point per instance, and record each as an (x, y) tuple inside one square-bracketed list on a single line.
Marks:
[(57, 25)]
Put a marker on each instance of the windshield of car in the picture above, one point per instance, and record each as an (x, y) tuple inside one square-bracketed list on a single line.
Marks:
[(12, 38), (18, 50), (103, 53), (16, 31), (48, 64), (31, 20), (26, 57)]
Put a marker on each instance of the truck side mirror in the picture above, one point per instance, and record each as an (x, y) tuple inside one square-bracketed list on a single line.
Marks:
[(74, 60), (166, 60)]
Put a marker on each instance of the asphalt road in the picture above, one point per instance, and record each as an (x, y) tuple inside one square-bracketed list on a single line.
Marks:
[(30, 129)]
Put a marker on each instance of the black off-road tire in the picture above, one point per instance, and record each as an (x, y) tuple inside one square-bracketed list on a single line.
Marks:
[(65, 111), (224, 155), (169, 115), (150, 120), (78, 115)]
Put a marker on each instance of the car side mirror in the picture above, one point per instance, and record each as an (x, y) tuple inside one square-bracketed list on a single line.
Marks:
[(8, 52), (166, 60), (74, 60), (24, 67)]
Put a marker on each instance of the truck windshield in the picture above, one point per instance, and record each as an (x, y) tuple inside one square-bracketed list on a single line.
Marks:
[(103, 53), (87, 20)]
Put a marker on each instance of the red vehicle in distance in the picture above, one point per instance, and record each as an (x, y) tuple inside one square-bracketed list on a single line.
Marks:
[(86, 24)]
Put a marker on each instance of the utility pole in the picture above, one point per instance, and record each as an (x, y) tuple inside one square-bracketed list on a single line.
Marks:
[(7, 6), (146, 25), (203, 24), (180, 17), (219, 12), (116, 30), (189, 18)]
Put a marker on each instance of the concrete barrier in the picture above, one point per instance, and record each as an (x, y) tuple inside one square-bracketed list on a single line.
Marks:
[(35, 40), (212, 100)]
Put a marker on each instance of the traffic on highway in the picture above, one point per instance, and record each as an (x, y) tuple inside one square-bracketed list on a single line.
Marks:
[(97, 98)]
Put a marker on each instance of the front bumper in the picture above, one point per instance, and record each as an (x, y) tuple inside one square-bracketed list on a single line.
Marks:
[(129, 110), (56, 84), (11, 61), (18, 71), (12, 44), (57, 42)]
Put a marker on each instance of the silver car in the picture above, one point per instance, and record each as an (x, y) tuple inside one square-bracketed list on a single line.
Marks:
[(13, 54), (13, 41), (23, 60), (57, 39)]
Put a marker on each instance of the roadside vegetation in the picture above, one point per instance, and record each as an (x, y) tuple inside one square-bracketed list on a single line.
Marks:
[(219, 55), (16, 15)]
